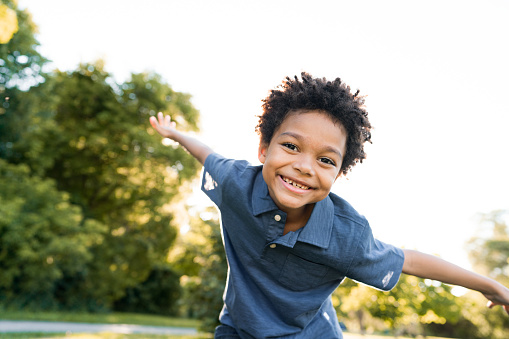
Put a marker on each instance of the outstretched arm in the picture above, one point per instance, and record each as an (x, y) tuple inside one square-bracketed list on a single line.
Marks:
[(431, 267), (164, 126)]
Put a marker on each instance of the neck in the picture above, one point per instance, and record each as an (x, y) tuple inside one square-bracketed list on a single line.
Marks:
[(297, 218)]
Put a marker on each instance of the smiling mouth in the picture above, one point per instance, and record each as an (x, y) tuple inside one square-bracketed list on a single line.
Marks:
[(295, 184)]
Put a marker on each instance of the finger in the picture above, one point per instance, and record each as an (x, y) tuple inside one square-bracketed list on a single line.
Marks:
[(159, 129), (160, 117), (490, 304), (153, 122), (167, 120)]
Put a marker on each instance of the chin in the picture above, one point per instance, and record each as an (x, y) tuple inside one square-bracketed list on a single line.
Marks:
[(292, 205)]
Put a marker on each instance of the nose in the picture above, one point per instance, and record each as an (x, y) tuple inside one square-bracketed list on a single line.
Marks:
[(305, 165)]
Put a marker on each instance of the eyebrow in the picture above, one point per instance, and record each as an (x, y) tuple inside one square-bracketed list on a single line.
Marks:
[(326, 148)]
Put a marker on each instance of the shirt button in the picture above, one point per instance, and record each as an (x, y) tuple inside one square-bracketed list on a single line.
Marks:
[(272, 246), (277, 217)]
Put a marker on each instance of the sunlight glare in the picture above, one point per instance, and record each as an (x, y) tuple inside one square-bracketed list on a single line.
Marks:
[(206, 216), (184, 229), (459, 291), (170, 142)]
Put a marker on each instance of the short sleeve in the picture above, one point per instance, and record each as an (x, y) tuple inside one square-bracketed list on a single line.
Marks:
[(376, 263), (216, 171)]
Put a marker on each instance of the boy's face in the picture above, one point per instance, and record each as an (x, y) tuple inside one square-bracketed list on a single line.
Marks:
[(303, 159)]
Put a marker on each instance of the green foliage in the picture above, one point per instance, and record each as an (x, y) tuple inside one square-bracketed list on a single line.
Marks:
[(120, 174), (20, 63), (86, 183), (416, 306), (489, 253), (20, 67), (412, 304), (201, 259), (92, 138), (43, 237), (158, 294)]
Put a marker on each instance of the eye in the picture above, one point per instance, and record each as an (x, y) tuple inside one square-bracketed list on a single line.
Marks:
[(290, 146), (327, 161)]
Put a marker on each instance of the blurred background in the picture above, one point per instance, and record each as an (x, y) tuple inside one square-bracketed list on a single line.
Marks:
[(93, 204)]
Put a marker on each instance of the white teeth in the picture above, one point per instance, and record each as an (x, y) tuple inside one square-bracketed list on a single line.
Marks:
[(295, 184)]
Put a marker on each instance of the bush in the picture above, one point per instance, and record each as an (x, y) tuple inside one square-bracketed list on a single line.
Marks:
[(158, 294)]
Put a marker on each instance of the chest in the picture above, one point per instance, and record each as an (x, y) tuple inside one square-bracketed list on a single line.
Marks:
[(267, 248)]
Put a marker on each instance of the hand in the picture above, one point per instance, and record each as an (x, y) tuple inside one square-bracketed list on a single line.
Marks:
[(492, 304), (163, 125), (500, 298)]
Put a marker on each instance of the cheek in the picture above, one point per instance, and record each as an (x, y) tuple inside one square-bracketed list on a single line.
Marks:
[(331, 179)]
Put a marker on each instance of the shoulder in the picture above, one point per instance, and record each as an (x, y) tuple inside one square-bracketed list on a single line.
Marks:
[(217, 160), (228, 180), (223, 170), (350, 228), (344, 211)]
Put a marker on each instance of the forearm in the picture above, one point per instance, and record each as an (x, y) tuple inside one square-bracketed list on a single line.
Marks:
[(197, 149), (431, 267)]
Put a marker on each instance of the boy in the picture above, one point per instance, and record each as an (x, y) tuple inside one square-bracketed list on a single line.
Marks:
[(288, 240)]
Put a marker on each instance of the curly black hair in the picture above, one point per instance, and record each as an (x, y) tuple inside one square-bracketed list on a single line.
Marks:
[(332, 97)]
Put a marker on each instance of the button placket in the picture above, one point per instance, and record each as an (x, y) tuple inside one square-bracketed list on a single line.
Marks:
[(275, 231)]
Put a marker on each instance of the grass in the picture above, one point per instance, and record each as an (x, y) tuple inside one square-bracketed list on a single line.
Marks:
[(154, 336), (107, 318), (29, 335), (121, 318), (347, 335), (105, 335)]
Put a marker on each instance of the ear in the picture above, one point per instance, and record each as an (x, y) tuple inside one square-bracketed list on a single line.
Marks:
[(262, 153)]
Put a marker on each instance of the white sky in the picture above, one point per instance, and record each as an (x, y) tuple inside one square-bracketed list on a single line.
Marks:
[(435, 72)]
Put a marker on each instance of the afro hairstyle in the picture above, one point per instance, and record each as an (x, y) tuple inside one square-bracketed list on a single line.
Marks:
[(332, 98)]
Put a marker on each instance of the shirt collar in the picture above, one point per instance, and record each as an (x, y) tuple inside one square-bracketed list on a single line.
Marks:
[(317, 231), (261, 200)]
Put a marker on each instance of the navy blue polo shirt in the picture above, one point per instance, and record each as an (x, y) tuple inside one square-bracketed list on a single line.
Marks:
[(281, 285)]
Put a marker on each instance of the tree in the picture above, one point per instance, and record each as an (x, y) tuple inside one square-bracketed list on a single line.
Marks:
[(42, 238), (42, 235), (20, 63), (416, 305), (20, 68), (489, 253), (158, 294), (117, 172), (86, 139), (408, 308), (201, 260), (92, 137), (8, 23)]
